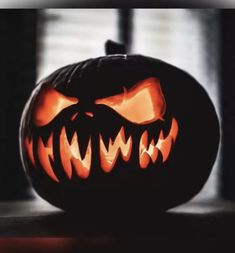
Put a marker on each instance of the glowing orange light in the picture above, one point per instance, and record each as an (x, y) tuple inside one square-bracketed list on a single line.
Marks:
[(71, 157), (109, 156), (74, 116), (45, 155), (90, 114), (147, 153), (70, 154), (144, 103), (29, 148), (163, 145), (48, 104)]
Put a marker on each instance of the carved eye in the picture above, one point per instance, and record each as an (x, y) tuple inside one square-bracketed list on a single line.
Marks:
[(48, 104), (143, 103)]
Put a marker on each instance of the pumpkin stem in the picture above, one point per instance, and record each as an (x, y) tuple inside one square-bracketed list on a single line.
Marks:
[(112, 47)]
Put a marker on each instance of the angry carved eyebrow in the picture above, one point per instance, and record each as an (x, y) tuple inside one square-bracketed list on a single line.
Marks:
[(142, 104), (49, 103)]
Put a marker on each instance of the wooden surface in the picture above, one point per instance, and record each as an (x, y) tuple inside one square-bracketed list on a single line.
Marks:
[(201, 226), (37, 218)]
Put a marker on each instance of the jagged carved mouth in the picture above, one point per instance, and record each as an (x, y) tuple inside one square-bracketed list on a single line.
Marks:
[(120, 146)]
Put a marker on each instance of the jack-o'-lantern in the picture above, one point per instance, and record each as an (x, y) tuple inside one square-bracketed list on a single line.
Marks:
[(119, 133)]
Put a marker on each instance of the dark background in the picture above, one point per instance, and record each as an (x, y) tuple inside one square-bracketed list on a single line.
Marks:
[(18, 73)]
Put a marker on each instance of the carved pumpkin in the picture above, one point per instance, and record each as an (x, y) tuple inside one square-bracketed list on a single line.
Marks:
[(118, 133)]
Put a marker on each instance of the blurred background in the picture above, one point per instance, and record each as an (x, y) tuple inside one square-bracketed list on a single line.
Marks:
[(34, 43), (117, 3)]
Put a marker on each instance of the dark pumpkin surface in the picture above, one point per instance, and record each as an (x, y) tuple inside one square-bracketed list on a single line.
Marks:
[(127, 188)]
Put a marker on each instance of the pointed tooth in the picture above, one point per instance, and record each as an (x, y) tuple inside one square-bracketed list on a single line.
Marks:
[(69, 133), (143, 143), (109, 155), (106, 164), (74, 147), (45, 137), (129, 143), (144, 139), (82, 142), (161, 135), (128, 132), (122, 134), (174, 129), (45, 155), (151, 137), (105, 140), (126, 151), (82, 166), (147, 151), (71, 156), (65, 153), (144, 160), (29, 148), (154, 155), (166, 127), (152, 151), (144, 157), (113, 132), (102, 144), (165, 147), (152, 143)]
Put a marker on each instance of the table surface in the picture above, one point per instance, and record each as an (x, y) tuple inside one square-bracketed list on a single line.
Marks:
[(38, 218), (199, 225)]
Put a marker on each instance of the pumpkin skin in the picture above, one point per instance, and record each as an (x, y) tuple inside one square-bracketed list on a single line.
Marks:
[(119, 97)]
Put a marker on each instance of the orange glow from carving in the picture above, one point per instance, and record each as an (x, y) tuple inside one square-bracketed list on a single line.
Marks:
[(109, 156), (29, 147), (144, 103), (74, 116), (90, 114), (163, 145), (48, 104), (70, 154), (45, 154), (146, 153)]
